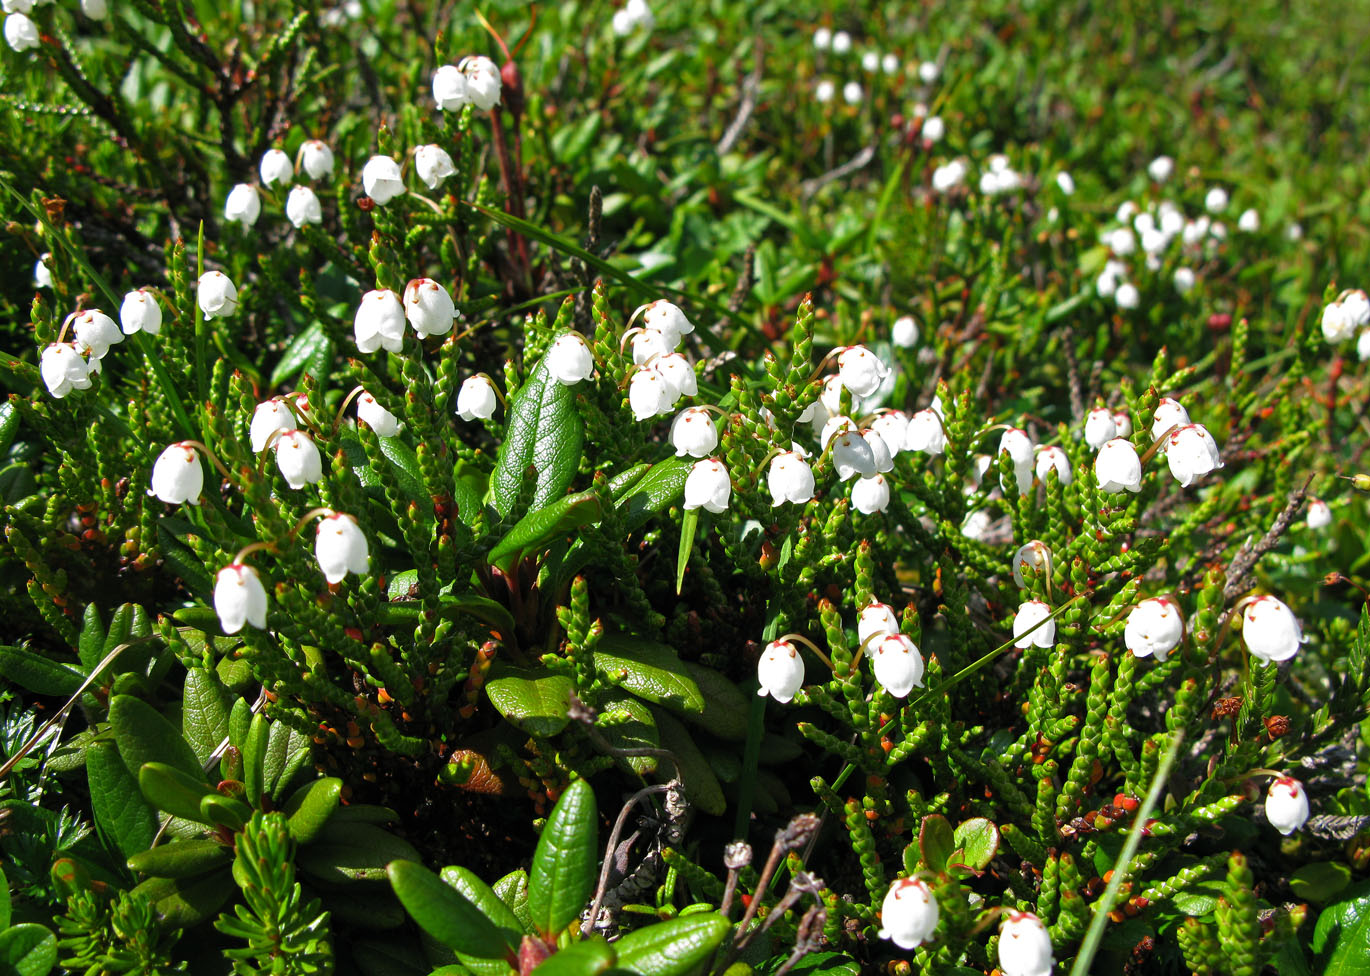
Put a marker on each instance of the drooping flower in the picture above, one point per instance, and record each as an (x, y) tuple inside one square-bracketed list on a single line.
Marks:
[(1169, 413), (1030, 614), (1270, 630), (780, 671), (216, 295), (1019, 447), (861, 370), (476, 399), (664, 317), (648, 394), (693, 433), (177, 476), (64, 369), (707, 486), (95, 332), (244, 205), (239, 598), (1051, 458), (449, 88), (569, 359), (140, 312), (893, 428), (317, 159), (871, 495), (909, 914), (880, 451), (298, 458), (21, 33), (904, 332), (1154, 627), (270, 416), (851, 455), (1033, 555), (1117, 467), (340, 547), (276, 167), (678, 375), (1160, 168), (1191, 453), (1286, 805), (925, 433), (302, 207), (1025, 946), (375, 416), (898, 664), (379, 321), (382, 180), (876, 618), (482, 81), (428, 307), (1099, 427), (789, 478), (1319, 514), (433, 164)]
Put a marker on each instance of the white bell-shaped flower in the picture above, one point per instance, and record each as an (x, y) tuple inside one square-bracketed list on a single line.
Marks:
[(871, 495), (569, 359), (95, 331), (893, 428), (482, 81), (270, 416), (693, 433), (1336, 325), (1030, 614), (317, 159), (649, 343), (379, 419), (1099, 427), (428, 307), (216, 295), (925, 433), (382, 180), (42, 274), (1271, 631), (664, 317), (140, 312), (677, 373), (1154, 627), (1215, 201), (177, 476), (298, 458), (95, 9), (1355, 305), (707, 486), (1319, 514), (1184, 280), (908, 915), (1169, 413), (1019, 447), (340, 547), (904, 332), (649, 395), (1025, 946), (1160, 168), (1117, 467), (244, 205), (21, 33), (861, 370), (302, 207), (876, 618), (789, 478), (239, 598), (1122, 420), (379, 322), (898, 664), (1127, 296), (276, 167), (780, 671), (1286, 805), (816, 415), (1033, 556), (880, 451), (1192, 452), (433, 164), (831, 397), (852, 455), (1051, 458), (476, 399), (1249, 222), (450, 89), (64, 369)]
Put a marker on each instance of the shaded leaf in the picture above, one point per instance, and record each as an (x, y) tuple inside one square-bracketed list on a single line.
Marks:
[(535, 702)]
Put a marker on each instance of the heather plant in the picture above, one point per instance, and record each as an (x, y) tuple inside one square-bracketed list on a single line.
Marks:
[(634, 490)]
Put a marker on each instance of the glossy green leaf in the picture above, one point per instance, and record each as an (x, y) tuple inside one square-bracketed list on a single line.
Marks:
[(405, 464), (701, 785), (27, 950), (543, 525), (9, 425), (535, 702), (444, 913), (306, 346), (725, 706), (224, 811), (239, 721), (186, 902), (479, 894), (978, 840), (181, 859), (672, 948), (1320, 881), (254, 759), (174, 792), (90, 647), (627, 723), (205, 704), (544, 432), (345, 852), (310, 807), (288, 752), (589, 957), (652, 671), (38, 673), (688, 524), (936, 842), (835, 964), (1199, 899), (120, 810), (144, 736), (513, 891), (565, 861), (1342, 936), (623, 482), (659, 487)]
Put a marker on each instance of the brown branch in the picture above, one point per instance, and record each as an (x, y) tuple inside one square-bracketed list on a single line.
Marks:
[(1244, 563)]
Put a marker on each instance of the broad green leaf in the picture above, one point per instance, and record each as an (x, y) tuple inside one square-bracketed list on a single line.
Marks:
[(658, 488), (310, 807), (392, 958), (144, 736), (406, 467), (978, 839), (936, 842), (309, 344), (204, 712), (627, 723), (1199, 899), (623, 482), (672, 948), (544, 432), (513, 891), (287, 750), (346, 852), (181, 859), (186, 902), (545, 524), (38, 673), (1342, 936), (91, 646), (172, 791), (239, 721), (651, 671), (565, 861), (587, 958), (254, 759), (1321, 880), (535, 702), (444, 913), (725, 707), (27, 950), (831, 964), (224, 811), (120, 810), (479, 894), (701, 785)]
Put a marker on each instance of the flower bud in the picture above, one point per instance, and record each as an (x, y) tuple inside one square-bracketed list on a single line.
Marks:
[(707, 486), (569, 359), (1118, 467), (693, 433), (177, 476), (1099, 427), (904, 332), (1319, 514), (1286, 805), (21, 34), (298, 458), (375, 416), (317, 159), (871, 495), (216, 294), (1050, 458), (908, 915), (270, 416), (861, 370), (1192, 452), (340, 547), (1154, 627), (1030, 614), (476, 399), (449, 88), (302, 207), (140, 312), (379, 321), (276, 167), (1270, 630), (1025, 946), (780, 671), (239, 598), (428, 307), (789, 478), (898, 664), (244, 205), (876, 618), (64, 369), (433, 165), (1032, 555), (95, 331), (381, 179), (925, 433)]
